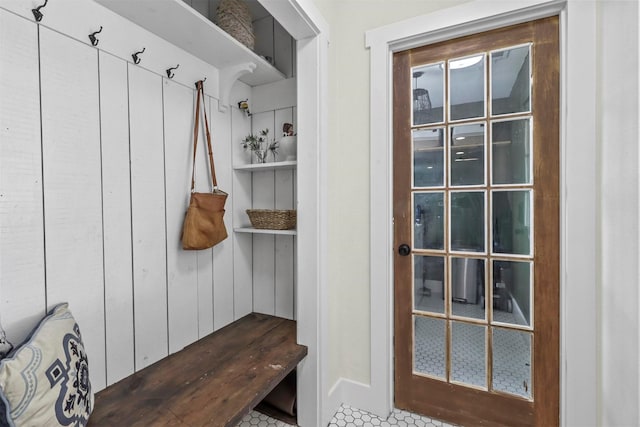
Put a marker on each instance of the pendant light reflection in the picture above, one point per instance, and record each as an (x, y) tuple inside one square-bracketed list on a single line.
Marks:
[(456, 64)]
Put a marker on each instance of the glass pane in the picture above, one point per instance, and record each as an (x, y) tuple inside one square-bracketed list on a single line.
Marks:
[(512, 292), (512, 362), (467, 287), (467, 221), (468, 354), (428, 94), (467, 154), (511, 221), (467, 87), (428, 210), (511, 151), (428, 158), (510, 81), (428, 279), (429, 346)]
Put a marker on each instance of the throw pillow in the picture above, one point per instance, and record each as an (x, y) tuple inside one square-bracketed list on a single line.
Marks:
[(45, 381), (5, 345)]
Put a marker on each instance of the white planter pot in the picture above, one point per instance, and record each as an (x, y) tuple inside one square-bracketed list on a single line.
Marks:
[(288, 148)]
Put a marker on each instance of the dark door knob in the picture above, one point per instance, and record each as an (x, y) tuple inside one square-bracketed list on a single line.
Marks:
[(404, 249)]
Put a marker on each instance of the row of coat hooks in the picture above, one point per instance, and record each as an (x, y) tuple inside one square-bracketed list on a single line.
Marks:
[(94, 41)]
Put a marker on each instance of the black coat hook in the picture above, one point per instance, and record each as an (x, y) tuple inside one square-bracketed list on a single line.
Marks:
[(170, 73), (203, 80), (92, 37), (136, 57), (36, 12)]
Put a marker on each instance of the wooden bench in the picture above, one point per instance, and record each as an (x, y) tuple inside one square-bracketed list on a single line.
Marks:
[(212, 382)]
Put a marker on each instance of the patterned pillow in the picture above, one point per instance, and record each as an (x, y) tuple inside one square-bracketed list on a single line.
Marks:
[(5, 345), (45, 381)]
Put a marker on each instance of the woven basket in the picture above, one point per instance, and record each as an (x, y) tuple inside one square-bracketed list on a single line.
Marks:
[(272, 219), (233, 16)]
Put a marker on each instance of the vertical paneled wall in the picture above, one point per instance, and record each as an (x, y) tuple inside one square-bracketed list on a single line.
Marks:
[(22, 294), (273, 255), (95, 170), (116, 217), (72, 184)]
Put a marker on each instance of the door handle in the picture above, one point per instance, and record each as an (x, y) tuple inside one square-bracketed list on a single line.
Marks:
[(404, 249)]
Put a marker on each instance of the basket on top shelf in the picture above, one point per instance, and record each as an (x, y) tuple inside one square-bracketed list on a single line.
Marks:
[(234, 17), (278, 219)]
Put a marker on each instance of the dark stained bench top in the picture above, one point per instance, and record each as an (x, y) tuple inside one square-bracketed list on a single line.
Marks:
[(212, 382)]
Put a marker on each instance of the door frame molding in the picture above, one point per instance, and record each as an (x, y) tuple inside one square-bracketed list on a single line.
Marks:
[(578, 267)]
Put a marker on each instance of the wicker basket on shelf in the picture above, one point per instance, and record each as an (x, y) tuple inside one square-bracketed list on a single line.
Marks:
[(234, 17), (272, 219)]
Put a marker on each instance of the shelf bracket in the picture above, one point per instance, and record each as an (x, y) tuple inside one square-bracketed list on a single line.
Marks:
[(226, 79)]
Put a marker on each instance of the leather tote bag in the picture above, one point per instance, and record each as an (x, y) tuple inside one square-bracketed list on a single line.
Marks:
[(204, 222)]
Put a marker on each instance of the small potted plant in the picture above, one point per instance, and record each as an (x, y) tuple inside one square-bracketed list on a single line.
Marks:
[(260, 145), (287, 143)]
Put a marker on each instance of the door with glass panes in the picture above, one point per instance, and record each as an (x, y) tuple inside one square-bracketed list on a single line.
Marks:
[(476, 223)]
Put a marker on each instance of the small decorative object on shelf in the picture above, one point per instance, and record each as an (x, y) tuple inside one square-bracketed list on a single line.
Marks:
[(261, 145), (287, 144), (272, 219), (244, 106), (234, 17)]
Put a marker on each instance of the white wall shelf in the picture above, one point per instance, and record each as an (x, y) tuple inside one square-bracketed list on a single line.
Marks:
[(178, 23), (257, 167), (265, 231)]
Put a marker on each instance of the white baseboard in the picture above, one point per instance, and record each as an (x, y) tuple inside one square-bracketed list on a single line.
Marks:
[(354, 394), (332, 402)]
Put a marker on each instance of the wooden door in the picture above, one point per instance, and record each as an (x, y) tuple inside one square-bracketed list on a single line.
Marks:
[(476, 221)]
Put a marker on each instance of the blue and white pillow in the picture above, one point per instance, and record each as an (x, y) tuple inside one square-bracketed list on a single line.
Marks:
[(45, 381)]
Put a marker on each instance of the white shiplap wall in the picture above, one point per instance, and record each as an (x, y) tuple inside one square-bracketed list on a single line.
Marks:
[(273, 255), (94, 179)]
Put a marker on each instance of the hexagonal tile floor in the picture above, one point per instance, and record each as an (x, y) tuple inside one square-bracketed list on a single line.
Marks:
[(256, 419), (350, 417)]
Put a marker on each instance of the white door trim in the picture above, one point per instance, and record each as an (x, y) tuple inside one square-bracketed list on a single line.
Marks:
[(578, 178)]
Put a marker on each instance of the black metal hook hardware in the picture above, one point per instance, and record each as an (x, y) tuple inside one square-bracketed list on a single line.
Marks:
[(36, 12), (136, 57), (170, 73), (92, 37), (203, 80)]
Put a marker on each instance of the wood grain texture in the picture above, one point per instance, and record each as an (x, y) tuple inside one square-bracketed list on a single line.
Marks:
[(73, 188), (403, 320), (116, 217), (451, 402), (546, 148), (212, 382), (148, 216), (22, 273)]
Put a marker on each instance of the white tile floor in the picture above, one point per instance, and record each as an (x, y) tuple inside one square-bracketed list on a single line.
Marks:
[(347, 416), (511, 349), (256, 419)]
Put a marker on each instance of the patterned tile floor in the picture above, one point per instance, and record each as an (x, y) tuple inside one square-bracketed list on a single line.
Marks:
[(347, 416), (511, 352), (256, 419)]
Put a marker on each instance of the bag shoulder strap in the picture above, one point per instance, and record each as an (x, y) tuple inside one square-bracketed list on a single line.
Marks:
[(200, 96)]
